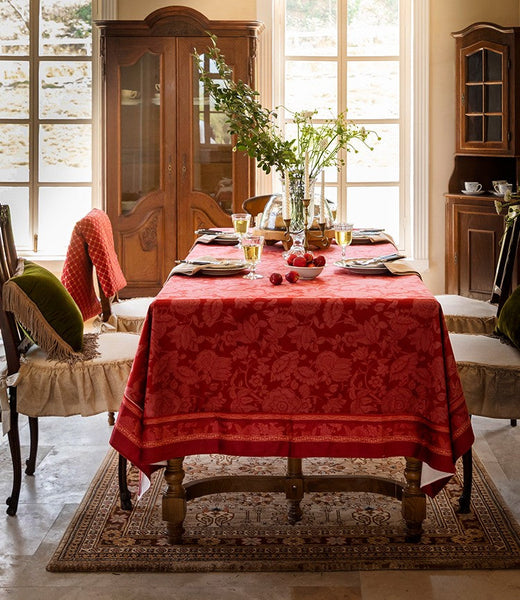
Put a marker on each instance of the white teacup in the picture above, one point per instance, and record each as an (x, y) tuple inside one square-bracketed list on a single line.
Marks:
[(504, 188), (498, 183), (129, 94), (472, 186)]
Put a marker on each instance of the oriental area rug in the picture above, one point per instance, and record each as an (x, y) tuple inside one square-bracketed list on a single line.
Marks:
[(250, 532)]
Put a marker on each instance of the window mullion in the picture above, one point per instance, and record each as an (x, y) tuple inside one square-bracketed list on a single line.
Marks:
[(34, 55)]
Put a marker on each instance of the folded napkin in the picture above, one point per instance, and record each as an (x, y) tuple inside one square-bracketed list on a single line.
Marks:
[(219, 264), (372, 238), (207, 238), (401, 267)]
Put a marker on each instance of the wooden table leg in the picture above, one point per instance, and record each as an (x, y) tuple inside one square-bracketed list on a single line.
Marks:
[(413, 506), (174, 500), (294, 489)]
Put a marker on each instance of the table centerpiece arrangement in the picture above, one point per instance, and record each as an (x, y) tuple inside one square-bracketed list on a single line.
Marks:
[(299, 161)]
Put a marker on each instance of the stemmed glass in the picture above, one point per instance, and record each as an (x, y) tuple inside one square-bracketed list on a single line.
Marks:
[(241, 223), (343, 236), (252, 246)]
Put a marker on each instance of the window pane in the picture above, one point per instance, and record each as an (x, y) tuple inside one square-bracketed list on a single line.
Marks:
[(59, 209), (373, 28), (66, 27), (14, 32), (14, 89), (373, 90), (18, 200), (311, 28), (14, 152), (380, 164), (65, 153), (301, 91), (65, 90), (376, 207)]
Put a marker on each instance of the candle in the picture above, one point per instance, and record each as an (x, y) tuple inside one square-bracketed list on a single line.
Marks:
[(306, 176), (286, 204), (322, 198)]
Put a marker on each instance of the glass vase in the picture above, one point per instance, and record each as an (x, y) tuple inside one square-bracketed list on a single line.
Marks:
[(296, 197)]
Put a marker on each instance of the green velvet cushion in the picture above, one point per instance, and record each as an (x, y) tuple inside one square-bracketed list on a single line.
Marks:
[(508, 323), (45, 309)]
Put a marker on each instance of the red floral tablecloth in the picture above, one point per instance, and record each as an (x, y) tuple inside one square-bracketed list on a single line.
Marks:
[(341, 366)]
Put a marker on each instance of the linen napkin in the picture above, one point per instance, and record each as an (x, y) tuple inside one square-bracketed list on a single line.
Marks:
[(192, 269), (401, 267), (380, 237), (208, 238)]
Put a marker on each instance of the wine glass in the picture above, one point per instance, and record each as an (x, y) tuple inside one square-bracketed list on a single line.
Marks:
[(343, 236), (252, 246), (241, 223)]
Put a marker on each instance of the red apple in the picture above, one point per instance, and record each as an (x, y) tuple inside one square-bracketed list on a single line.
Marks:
[(309, 257), (275, 278), (319, 261), (292, 276), (300, 261), (290, 258)]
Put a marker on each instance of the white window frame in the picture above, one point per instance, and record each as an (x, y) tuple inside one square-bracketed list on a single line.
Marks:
[(414, 111)]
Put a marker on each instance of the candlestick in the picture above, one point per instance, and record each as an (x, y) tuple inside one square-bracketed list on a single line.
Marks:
[(286, 203), (322, 198)]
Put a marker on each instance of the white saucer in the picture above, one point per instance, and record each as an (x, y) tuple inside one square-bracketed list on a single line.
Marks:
[(130, 101), (473, 193)]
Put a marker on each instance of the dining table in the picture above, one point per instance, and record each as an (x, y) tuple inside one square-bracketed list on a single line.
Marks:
[(349, 364)]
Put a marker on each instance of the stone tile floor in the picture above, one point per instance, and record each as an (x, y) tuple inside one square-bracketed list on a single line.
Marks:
[(71, 450)]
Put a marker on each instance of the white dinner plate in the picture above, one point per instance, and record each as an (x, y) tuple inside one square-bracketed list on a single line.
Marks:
[(374, 269)]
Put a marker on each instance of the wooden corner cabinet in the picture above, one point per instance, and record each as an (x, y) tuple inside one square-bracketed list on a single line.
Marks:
[(169, 167), (487, 149)]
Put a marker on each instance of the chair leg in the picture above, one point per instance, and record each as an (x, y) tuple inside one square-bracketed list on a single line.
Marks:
[(30, 463), (467, 471), (513, 422), (124, 492), (16, 458), (111, 418)]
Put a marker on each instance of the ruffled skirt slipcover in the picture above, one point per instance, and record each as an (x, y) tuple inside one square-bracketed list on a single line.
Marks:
[(489, 371), (50, 388), (467, 315)]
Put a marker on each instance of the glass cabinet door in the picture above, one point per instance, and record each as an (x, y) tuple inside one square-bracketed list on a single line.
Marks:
[(484, 97), (140, 141), (212, 147)]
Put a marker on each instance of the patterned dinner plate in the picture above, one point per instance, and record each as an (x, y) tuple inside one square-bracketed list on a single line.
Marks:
[(374, 269), (221, 270)]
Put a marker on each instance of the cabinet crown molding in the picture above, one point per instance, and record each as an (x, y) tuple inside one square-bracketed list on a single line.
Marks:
[(179, 21)]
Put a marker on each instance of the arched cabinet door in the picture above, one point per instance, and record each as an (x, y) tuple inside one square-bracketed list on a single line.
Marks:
[(169, 167)]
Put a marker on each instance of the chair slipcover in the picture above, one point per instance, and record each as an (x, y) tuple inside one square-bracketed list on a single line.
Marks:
[(50, 388), (128, 315), (467, 315), (489, 371)]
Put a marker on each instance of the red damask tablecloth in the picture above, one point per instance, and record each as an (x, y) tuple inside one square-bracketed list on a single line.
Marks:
[(341, 366)]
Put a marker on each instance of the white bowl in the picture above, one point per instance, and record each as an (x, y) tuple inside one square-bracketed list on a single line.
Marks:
[(307, 272)]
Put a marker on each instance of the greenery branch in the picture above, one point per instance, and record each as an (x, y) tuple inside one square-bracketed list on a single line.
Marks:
[(256, 128)]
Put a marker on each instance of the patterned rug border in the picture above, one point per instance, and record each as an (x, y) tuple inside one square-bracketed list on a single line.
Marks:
[(316, 558)]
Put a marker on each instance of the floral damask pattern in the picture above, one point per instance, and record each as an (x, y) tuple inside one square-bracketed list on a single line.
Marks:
[(343, 365)]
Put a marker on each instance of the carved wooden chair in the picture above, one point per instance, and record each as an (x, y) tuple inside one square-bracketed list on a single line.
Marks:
[(91, 248), (468, 315), (256, 204), (56, 377)]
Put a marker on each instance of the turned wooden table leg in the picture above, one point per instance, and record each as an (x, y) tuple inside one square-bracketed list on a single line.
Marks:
[(413, 506), (294, 489), (174, 500)]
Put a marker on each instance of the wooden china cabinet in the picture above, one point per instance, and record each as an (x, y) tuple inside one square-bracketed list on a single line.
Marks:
[(169, 167), (487, 149)]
